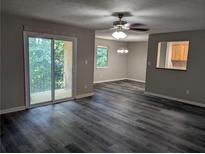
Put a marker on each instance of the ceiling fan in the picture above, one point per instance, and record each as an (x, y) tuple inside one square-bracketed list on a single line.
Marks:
[(120, 26)]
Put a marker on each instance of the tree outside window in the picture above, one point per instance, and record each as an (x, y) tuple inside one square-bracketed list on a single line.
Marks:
[(101, 57), (40, 64)]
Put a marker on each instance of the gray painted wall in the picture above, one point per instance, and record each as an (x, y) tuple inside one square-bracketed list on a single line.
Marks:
[(0, 54), (117, 63), (137, 59), (13, 94), (175, 83), (131, 65)]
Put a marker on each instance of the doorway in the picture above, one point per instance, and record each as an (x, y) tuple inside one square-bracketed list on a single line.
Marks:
[(49, 68)]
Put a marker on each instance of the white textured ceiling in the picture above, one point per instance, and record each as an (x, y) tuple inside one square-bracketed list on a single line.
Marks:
[(158, 15)]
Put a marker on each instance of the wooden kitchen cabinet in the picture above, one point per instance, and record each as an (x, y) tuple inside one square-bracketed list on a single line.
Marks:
[(180, 52)]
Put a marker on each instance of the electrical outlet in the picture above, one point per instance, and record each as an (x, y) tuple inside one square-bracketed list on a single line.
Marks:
[(187, 91), (86, 62)]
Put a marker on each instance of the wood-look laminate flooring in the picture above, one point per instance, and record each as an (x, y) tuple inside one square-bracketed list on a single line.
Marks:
[(119, 118)]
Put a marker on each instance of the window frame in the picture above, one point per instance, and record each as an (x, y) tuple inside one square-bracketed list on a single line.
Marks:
[(100, 46), (174, 68), (26, 35)]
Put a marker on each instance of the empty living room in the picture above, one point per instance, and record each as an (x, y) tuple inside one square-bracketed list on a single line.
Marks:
[(102, 76)]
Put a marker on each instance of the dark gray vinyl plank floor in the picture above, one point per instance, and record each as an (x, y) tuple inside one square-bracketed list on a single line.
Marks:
[(119, 118)]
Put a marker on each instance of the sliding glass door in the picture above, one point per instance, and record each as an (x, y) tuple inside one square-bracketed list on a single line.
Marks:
[(40, 70), (63, 68), (50, 69)]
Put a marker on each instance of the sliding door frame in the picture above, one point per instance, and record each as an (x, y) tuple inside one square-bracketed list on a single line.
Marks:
[(26, 35)]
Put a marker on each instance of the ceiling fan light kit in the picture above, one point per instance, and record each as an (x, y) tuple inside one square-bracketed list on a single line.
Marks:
[(122, 50), (121, 25), (119, 35)]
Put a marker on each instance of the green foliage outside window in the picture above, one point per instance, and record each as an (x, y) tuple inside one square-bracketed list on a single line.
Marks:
[(40, 64), (59, 63), (102, 57)]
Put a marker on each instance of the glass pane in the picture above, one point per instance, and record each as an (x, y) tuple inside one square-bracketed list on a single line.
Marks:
[(63, 69), (102, 57), (173, 55), (39, 69)]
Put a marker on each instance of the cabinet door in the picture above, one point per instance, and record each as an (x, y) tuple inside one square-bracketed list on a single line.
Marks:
[(173, 53), (182, 52), (176, 54), (186, 48), (179, 52)]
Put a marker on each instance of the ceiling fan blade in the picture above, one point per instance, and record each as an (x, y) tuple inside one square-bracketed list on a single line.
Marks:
[(116, 23), (134, 25), (139, 29), (113, 28), (105, 29)]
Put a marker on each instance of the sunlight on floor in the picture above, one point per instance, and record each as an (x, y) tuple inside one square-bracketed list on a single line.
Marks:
[(45, 96)]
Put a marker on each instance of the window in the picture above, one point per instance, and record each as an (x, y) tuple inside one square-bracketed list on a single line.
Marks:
[(173, 55), (49, 68), (101, 57)]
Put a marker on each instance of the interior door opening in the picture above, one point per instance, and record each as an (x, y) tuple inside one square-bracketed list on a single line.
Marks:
[(49, 68)]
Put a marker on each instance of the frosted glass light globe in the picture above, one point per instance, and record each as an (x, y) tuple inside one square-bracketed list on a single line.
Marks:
[(119, 35)]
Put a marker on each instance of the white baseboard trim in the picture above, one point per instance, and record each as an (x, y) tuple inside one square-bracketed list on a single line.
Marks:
[(84, 95), (175, 99), (142, 81), (21, 108), (14, 109), (102, 81)]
